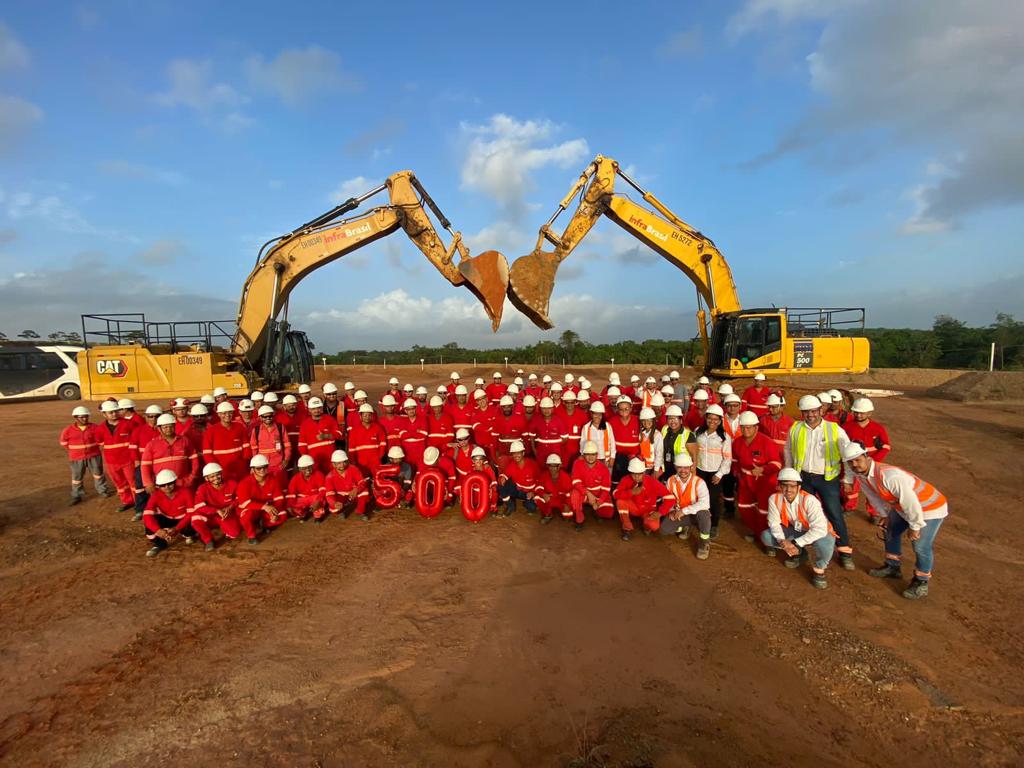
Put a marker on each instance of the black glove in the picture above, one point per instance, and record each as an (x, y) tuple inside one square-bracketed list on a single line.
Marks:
[(878, 443)]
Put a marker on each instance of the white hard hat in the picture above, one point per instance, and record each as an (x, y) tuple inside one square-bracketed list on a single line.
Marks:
[(166, 477), (212, 469), (773, 400), (289, 400), (759, 377), (315, 402), (532, 377), (553, 459), (613, 378), (597, 407), (462, 433), (556, 387), (657, 400), (479, 382), (479, 394), (674, 375), (517, 447), (683, 460), (409, 403), (808, 403), (837, 396), (731, 398), (81, 410), (665, 378), (305, 460), (338, 456), (455, 376), (388, 400), (853, 450), (430, 456), (154, 410), (247, 405), (518, 381), (496, 375), (634, 379), (529, 401), (436, 401), (547, 402), (613, 392), (624, 399), (256, 396), (349, 386), (126, 403), (330, 388), (636, 466), (270, 397), (506, 400), (589, 447), (674, 410), (569, 378), (359, 395), (650, 380), (225, 407), (703, 380), (108, 406), (701, 394), (421, 390), (461, 390), (304, 389), (569, 397), (393, 380), (259, 460), (725, 388), (365, 408), (789, 475), (442, 390), (585, 383), (179, 402), (749, 419), (647, 413), (825, 397), (519, 371), (715, 410), (546, 379), (265, 410), (395, 453), (198, 410), (668, 389), (478, 451), (165, 420), (583, 396), (862, 405), (207, 400)]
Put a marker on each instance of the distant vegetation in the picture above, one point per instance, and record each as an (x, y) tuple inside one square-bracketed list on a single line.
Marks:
[(949, 343)]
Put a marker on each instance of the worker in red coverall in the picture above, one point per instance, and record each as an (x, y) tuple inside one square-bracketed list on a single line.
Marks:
[(518, 481), (367, 442), (643, 496), (553, 490), (291, 418), (776, 424), (307, 495), (756, 461), (226, 443), (260, 499), (483, 422), (269, 439), (591, 486), (460, 409), (432, 459), (478, 456), (626, 431), (352, 416), (81, 440), (115, 441), (462, 455), (549, 433), (319, 435), (755, 398), (694, 418), (508, 427), (169, 451), (573, 418), (390, 421), (875, 439), (168, 511), (215, 506), (195, 430), (496, 390), (440, 427), (346, 488), (246, 411), (141, 437), (179, 409)]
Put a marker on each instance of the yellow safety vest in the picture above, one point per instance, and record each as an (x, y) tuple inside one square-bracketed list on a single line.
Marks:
[(798, 447)]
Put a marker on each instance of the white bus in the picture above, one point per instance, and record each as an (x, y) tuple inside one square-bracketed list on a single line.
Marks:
[(27, 370)]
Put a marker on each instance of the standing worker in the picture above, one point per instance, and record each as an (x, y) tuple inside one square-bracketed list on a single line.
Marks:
[(115, 439), (714, 460), (755, 398), (81, 440), (756, 461), (875, 439)]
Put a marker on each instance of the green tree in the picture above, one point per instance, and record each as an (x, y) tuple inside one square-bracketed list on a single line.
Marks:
[(28, 335), (568, 341)]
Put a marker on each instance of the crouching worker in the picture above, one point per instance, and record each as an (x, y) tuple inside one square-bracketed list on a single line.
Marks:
[(432, 459), (691, 505), (345, 489), (641, 495), (215, 506), (553, 490), (406, 473), (260, 499), (907, 503), (480, 466), (306, 493), (168, 513), (519, 480), (591, 486), (795, 521)]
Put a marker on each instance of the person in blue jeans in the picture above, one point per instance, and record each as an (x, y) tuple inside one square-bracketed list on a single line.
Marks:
[(909, 506), (796, 520)]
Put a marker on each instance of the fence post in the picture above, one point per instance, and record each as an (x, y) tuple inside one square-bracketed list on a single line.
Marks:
[(385, 363), (992, 357)]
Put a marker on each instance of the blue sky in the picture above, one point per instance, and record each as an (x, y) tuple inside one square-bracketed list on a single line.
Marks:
[(842, 152)]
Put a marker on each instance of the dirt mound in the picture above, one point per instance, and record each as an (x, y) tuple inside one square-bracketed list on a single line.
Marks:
[(982, 385)]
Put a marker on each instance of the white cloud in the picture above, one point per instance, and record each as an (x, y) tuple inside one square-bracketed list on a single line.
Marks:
[(58, 214), (13, 54), (162, 252), (191, 84), (352, 188), (17, 116), (753, 12), (511, 240), (141, 172), (504, 152), (296, 74)]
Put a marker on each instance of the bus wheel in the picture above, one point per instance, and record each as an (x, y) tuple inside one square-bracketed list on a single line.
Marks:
[(69, 392)]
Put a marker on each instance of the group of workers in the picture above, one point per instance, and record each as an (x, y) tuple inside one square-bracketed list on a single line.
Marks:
[(651, 454)]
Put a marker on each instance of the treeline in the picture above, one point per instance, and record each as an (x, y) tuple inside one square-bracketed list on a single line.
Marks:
[(949, 343)]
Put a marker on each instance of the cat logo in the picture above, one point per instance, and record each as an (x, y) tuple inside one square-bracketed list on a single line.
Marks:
[(115, 368)]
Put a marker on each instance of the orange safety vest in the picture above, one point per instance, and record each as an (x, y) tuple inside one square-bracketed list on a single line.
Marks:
[(685, 494), (646, 450), (729, 429), (590, 431), (927, 494), (785, 516)]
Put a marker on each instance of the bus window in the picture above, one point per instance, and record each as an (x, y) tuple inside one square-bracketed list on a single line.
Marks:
[(13, 361), (45, 361)]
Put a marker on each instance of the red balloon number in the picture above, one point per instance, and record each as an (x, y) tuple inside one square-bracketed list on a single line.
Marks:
[(474, 496), (429, 492), (386, 492)]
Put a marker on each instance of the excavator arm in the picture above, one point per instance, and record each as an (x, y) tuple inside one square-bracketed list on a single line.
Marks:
[(328, 237), (532, 277)]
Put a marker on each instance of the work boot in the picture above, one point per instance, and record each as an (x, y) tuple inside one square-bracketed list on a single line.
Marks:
[(210, 546), (792, 562), (74, 500), (137, 517), (318, 521), (254, 541), (918, 588), (684, 534), (126, 507), (887, 571), (714, 531), (190, 540), (771, 551), (748, 537), (703, 550), (531, 507), (364, 517), (625, 535), (153, 552), (510, 507), (579, 526), (818, 581), (846, 561), (546, 520)]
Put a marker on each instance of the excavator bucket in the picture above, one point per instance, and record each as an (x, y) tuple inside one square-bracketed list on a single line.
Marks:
[(531, 280), (487, 276)]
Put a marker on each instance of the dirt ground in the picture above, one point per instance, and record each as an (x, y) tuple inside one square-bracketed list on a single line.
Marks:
[(404, 641)]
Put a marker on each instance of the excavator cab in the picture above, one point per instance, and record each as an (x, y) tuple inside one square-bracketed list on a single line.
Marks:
[(289, 358)]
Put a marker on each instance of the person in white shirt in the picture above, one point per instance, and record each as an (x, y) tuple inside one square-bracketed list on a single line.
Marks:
[(814, 448), (714, 459), (599, 433), (692, 506), (796, 521)]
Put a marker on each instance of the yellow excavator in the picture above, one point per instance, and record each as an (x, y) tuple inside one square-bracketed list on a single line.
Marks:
[(128, 355), (737, 342)]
